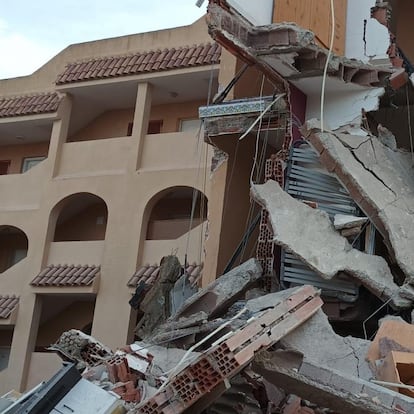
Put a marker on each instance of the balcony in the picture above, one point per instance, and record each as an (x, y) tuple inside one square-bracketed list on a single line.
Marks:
[(76, 252), (91, 158), (154, 250), (23, 191), (174, 150)]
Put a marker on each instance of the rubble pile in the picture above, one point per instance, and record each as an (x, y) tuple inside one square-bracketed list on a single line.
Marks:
[(272, 353)]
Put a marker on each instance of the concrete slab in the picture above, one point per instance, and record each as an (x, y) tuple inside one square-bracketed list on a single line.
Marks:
[(309, 234)]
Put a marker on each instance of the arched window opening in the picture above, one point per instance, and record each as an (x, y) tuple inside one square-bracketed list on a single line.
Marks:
[(170, 216), (83, 217), (13, 246)]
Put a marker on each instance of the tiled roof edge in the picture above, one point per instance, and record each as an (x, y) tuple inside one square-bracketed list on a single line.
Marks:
[(140, 62)]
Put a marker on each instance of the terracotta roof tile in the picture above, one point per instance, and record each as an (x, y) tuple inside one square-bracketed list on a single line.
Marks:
[(7, 304), (66, 275), (148, 274), (29, 105), (109, 67)]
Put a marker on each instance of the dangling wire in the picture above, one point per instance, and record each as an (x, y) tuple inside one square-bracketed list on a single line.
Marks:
[(325, 70), (410, 132)]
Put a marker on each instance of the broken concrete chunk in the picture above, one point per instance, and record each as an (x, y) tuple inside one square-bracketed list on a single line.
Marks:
[(319, 344), (223, 292), (309, 234), (343, 221), (324, 386), (381, 182), (156, 305)]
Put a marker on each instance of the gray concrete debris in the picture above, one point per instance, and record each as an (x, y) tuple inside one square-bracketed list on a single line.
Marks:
[(223, 292), (165, 335), (343, 221), (268, 301), (319, 344), (325, 386), (165, 358), (156, 304), (309, 234), (238, 399), (381, 181)]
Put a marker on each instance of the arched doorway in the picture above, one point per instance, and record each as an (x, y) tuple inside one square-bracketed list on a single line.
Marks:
[(174, 212), (80, 217), (13, 246)]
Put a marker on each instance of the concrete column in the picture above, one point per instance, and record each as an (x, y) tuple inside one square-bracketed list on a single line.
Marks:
[(59, 134), (114, 319), (24, 341), (141, 119)]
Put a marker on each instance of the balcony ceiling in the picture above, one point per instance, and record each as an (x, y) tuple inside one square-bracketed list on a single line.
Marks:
[(28, 132), (90, 101)]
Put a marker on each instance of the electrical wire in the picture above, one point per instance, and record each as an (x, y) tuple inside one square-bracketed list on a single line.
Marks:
[(256, 151), (199, 149), (196, 345), (261, 116), (410, 131), (254, 165), (325, 69), (372, 315)]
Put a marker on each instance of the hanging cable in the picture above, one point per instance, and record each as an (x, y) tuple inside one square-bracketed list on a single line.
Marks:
[(199, 149), (325, 70), (256, 151), (261, 116), (410, 131)]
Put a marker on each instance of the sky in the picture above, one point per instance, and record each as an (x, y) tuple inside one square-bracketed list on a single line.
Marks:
[(33, 31)]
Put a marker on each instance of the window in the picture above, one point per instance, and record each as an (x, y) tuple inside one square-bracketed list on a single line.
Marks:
[(190, 124), (4, 167), (18, 254), (30, 162), (154, 127)]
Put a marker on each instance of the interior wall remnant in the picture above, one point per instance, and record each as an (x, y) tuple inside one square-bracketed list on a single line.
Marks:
[(366, 38), (403, 12), (343, 103), (315, 15)]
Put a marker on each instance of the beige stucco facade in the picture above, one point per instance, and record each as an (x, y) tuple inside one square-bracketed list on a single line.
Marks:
[(90, 201)]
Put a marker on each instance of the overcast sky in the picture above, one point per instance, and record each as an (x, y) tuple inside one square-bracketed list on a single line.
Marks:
[(33, 31)]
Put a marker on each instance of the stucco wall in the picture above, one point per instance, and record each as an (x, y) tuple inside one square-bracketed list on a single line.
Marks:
[(128, 173)]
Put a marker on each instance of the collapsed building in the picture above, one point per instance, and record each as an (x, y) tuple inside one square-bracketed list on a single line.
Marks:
[(312, 157)]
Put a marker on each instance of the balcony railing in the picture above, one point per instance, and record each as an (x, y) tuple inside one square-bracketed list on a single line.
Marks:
[(98, 157), (154, 250), (76, 252), (175, 150), (23, 191)]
